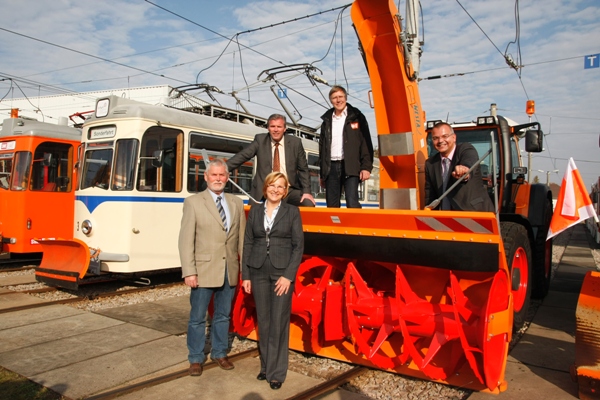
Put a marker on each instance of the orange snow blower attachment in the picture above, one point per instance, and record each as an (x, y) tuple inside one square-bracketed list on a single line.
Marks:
[(586, 370), (421, 293), (72, 255)]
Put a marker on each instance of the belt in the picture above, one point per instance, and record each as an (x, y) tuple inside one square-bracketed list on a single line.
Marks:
[(336, 161)]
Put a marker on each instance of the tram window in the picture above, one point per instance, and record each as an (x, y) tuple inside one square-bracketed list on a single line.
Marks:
[(217, 146), (20, 179), (125, 162), (5, 171), (168, 177), (52, 166), (96, 168)]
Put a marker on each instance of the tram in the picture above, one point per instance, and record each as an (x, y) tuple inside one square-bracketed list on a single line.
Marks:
[(37, 182), (138, 163)]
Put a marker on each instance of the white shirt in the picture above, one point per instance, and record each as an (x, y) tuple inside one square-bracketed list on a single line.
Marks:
[(337, 135), (268, 222)]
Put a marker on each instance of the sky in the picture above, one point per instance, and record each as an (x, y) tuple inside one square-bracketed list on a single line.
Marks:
[(68, 46)]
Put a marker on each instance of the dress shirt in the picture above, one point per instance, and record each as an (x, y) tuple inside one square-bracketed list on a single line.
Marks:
[(337, 135)]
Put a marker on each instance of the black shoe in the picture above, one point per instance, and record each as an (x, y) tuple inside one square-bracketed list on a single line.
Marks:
[(275, 385), (261, 376)]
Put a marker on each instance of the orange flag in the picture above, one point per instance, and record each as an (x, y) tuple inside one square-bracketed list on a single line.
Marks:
[(573, 204)]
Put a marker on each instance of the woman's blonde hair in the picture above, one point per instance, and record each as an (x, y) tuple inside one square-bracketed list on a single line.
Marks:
[(272, 177)]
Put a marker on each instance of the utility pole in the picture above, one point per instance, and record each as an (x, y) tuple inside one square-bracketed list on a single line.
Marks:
[(548, 175)]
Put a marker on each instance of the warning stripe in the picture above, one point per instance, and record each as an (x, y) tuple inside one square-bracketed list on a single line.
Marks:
[(460, 225)]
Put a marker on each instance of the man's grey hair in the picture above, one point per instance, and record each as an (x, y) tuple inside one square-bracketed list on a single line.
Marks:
[(217, 162)]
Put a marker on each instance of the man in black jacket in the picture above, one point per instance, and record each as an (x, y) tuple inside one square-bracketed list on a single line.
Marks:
[(345, 150)]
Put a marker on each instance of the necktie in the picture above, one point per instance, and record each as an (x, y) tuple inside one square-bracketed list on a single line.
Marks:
[(276, 165), (221, 212), (445, 170), (445, 174)]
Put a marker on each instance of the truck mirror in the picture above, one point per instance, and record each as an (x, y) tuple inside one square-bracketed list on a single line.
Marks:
[(158, 158), (534, 139)]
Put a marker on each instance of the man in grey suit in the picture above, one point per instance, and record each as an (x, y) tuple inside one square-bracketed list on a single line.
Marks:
[(268, 147), (210, 247)]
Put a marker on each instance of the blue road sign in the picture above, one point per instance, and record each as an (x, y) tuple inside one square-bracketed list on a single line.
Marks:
[(591, 61), (282, 93)]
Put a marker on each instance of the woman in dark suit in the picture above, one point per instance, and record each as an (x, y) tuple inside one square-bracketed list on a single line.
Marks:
[(273, 247)]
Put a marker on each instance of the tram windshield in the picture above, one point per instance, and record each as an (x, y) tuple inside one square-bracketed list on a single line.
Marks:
[(96, 168), (126, 152), (20, 177)]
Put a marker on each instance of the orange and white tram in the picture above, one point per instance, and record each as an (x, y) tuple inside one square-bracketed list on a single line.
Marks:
[(37, 183)]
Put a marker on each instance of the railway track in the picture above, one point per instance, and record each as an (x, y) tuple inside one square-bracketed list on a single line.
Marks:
[(166, 378), (17, 269), (309, 393), (77, 299)]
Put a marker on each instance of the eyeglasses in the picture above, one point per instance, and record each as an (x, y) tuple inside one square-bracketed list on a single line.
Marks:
[(277, 187), (443, 137)]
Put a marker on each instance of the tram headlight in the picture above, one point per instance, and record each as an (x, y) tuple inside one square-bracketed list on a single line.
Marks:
[(86, 227)]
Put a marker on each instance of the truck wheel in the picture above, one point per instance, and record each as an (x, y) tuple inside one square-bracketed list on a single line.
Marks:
[(518, 259), (542, 257)]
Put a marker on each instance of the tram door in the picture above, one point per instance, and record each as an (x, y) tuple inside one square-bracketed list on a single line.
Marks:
[(156, 217)]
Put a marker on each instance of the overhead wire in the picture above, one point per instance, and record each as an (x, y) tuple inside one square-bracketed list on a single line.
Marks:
[(88, 54)]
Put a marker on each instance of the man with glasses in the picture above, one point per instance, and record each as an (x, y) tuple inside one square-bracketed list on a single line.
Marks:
[(443, 169), (277, 152)]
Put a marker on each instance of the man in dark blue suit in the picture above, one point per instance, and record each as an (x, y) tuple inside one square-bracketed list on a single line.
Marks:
[(447, 166)]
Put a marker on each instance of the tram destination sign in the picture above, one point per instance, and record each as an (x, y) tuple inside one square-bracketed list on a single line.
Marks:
[(103, 132)]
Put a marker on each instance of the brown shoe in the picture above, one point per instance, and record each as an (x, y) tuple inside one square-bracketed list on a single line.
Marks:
[(195, 369), (224, 363)]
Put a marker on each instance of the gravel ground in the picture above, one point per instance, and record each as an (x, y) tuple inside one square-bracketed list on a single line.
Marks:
[(374, 384)]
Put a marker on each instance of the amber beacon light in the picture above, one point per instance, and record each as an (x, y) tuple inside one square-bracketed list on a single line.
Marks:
[(530, 107)]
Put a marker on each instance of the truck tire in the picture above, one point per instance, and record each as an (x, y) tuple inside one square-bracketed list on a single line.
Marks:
[(542, 257), (518, 259)]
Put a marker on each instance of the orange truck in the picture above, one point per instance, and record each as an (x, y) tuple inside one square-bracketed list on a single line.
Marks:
[(37, 183), (429, 294)]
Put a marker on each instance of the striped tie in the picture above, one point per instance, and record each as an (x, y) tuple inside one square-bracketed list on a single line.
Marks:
[(221, 212)]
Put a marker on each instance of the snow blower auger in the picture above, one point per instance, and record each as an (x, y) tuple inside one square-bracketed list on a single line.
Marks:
[(429, 297)]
